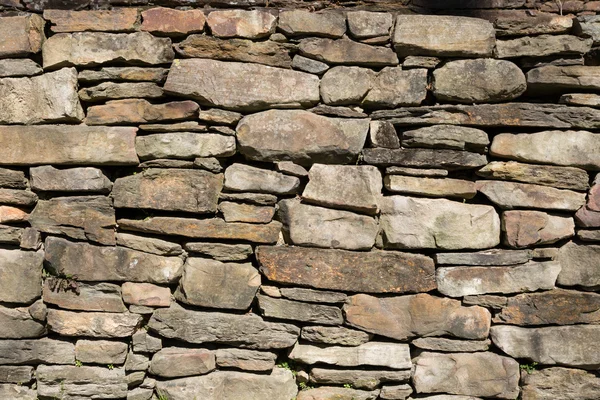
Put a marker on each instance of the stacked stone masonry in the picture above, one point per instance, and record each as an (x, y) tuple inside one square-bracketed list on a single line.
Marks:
[(299, 200)]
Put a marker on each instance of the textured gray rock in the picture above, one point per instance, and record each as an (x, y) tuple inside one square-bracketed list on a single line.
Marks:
[(431, 187), (573, 346), (145, 343), (49, 179), (527, 228), (118, 20), (345, 51), (173, 362), (365, 24), (19, 67), (17, 392), (220, 117), (97, 324), (451, 345), (184, 145), (420, 62), (395, 86), (409, 222), (509, 195), (17, 323), (481, 374), (555, 382), (111, 90), (529, 277), (479, 81), (240, 86), (247, 360), (309, 65), (253, 24), (102, 296), (72, 382), (245, 178), (20, 276), (487, 257), (302, 22), (13, 197), (426, 35), (239, 212), (424, 158), (513, 23), (581, 99), (404, 317), (337, 229), (361, 379), (299, 311), (579, 265), (100, 351), (245, 331), (542, 45), (447, 137), (39, 351), (588, 26), (97, 48), (346, 85), (149, 245), (16, 374), (335, 335), (383, 134), (313, 296), (12, 179), (300, 136)]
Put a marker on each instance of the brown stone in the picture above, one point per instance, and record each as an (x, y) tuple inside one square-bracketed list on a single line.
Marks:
[(299, 311), (79, 296), (554, 383), (335, 335), (20, 276), (45, 351), (10, 214), (247, 360), (22, 35), (111, 91), (424, 158), (116, 20), (306, 23), (100, 351), (85, 179), (431, 187), (587, 218), (451, 345), (137, 111), (123, 74), (12, 179), (361, 379), (173, 362), (101, 325), (529, 228), (346, 51), (146, 294), (542, 45), (18, 323), (170, 22), (253, 24), (238, 212)]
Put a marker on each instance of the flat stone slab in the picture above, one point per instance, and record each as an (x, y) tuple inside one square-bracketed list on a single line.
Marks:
[(511, 195), (486, 257), (346, 51), (96, 324), (184, 145), (24, 35), (369, 272), (447, 137), (247, 360), (39, 351), (84, 179), (332, 392), (101, 351), (431, 187), (555, 382), (72, 381), (543, 45), (529, 228), (140, 111), (174, 362), (579, 265), (170, 22), (20, 276), (335, 335), (18, 323), (361, 379), (118, 20), (246, 178), (451, 345), (299, 311), (102, 296)]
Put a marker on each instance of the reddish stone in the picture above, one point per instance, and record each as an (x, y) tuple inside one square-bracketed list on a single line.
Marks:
[(171, 22)]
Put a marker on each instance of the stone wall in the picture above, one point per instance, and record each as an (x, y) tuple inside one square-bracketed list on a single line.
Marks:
[(276, 203)]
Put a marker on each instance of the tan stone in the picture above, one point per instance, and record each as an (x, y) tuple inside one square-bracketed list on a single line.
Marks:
[(253, 24), (146, 294), (10, 214), (431, 187), (22, 35), (137, 111), (547, 175), (303, 22), (529, 228), (115, 20), (346, 51), (102, 325), (20, 276), (167, 21), (173, 362)]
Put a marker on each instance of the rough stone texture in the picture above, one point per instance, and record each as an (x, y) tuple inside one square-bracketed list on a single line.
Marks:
[(383, 134), (162, 189), (227, 385), (98, 324), (364, 24), (245, 178), (337, 229), (98, 48), (446, 36), (123, 74), (405, 317), (102, 296), (509, 195), (246, 331), (10, 214), (518, 25), (581, 99), (146, 294), (17, 198), (117, 20), (473, 374), (409, 222), (240, 86), (87, 179), (173, 362), (221, 252), (300, 136), (17, 323), (111, 90), (373, 272), (149, 245), (313, 296), (587, 218), (137, 111), (542, 45), (23, 35), (479, 81), (73, 382), (253, 24), (424, 158), (238, 212), (109, 263), (166, 21), (573, 346), (19, 67), (17, 392), (487, 257), (184, 145), (259, 199), (361, 379), (451, 345), (100, 351), (553, 383), (552, 79), (247, 360), (328, 393), (346, 85), (13, 179), (304, 23), (20, 276), (431, 187), (299, 311), (345, 51), (335, 335), (15, 374), (309, 65), (579, 265), (447, 137), (395, 87), (527, 228)]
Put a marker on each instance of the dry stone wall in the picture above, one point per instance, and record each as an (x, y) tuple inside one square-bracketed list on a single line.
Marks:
[(252, 203)]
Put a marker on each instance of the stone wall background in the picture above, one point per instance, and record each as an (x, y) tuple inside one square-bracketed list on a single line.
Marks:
[(255, 200)]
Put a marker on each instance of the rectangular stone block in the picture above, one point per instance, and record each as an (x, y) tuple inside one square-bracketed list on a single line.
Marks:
[(93, 324), (39, 351), (73, 382), (21, 35), (115, 20), (20, 276)]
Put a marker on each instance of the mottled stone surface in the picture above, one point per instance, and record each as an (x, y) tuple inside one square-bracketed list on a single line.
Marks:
[(362, 379), (431, 187), (346, 51), (334, 335), (579, 265), (510, 195), (247, 360), (138, 111), (173, 362), (118, 20), (245, 178), (542, 45), (486, 257), (81, 296), (97, 324), (424, 158), (395, 86), (20, 276), (18, 323), (447, 137), (528, 228), (332, 392), (451, 345), (146, 294), (100, 351), (166, 21), (19, 67), (555, 382), (253, 24), (299, 311), (72, 381), (41, 351), (303, 22), (23, 35)]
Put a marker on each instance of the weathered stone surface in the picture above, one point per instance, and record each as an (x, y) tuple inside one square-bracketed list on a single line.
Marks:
[(213, 228), (554, 383), (542, 45), (18, 197), (372, 272), (313, 296), (87, 382), (45, 351), (529, 277), (394, 86), (12, 179), (247, 360), (245, 178), (589, 235), (447, 137), (429, 35), (330, 393), (97, 48), (579, 265), (15, 374), (300, 136), (220, 117), (547, 175), (246, 331), (479, 81), (109, 263), (221, 252), (145, 343), (486, 300), (146, 294), (227, 385), (509, 195), (97, 324), (335, 335), (364, 24), (20, 276), (396, 392), (17, 392), (149, 245), (553, 79), (170, 22), (123, 74), (111, 90), (573, 346), (79, 217), (83, 297), (587, 218), (361, 379), (406, 171), (424, 158), (50, 97), (184, 145), (405, 317), (17, 323), (529, 228), (346, 85), (173, 362), (337, 229), (116, 20), (241, 86), (19, 67), (299, 311), (581, 99), (239, 212), (587, 26), (86, 179), (487, 257), (100, 351), (383, 134), (137, 362), (346, 51), (64, 145), (376, 354), (11, 234), (259, 199), (161, 189), (23, 35), (268, 52), (253, 24), (576, 148), (409, 222), (309, 65), (202, 284), (431, 187), (138, 111), (481, 374), (305, 23), (451, 345)]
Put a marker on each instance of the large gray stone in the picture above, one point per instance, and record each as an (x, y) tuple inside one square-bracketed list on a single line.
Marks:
[(395, 86), (542, 45), (239, 212), (345, 51), (245, 178), (299, 311), (424, 158), (473, 374), (20, 276), (71, 382), (19, 67), (16, 374), (51, 97), (39, 351), (241, 86), (556, 383), (93, 324), (415, 223), (365, 24), (431, 35), (211, 283), (97, 48), (184, 145), (49, 179), (173, 362), (23, 35), (346, 85), (553, 79), (404, 317), (246, 331), (573, 346), (80, 296), (17, 323), (579, 265), (510, 195), (447, 137)]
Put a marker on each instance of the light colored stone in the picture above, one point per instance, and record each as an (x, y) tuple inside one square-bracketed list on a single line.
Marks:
[(174, 362), (395, 87), (18, 323), (98, 324), (424, 158), (554, 383), (116, 20), (73, 382), (309, 65), (149, 245), (239, 212), (170, 22), (245, 178), (335, 335), (111, 90), (345, 51), (303, 22), (100, 351), (451, 345), (579, 265), (146, 294), (542, 45), (398, 392), (16, 374), (554, 79), (49, 179), (20, 276), (383, 134), (184, 145), (364, 24), (430, 187), (346, 85), (17, 392), (253, 24), (581, 99), (337, 393), (19, 67), (312, 296), (529, 228), (39, 351), (421, 62), (145, 343), (447, 137), (139, 111), (123, 74), (406, 171), (221, 252), (247, 360), (299, 311), (23, 35)]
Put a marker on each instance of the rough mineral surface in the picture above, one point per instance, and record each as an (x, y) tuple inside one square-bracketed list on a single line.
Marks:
[(23, 35), (526, 228), (542, 45), (100, 325), (346, 51), (72, 381), (555, 382), (579, 265), (20, 276), (547, 175)]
